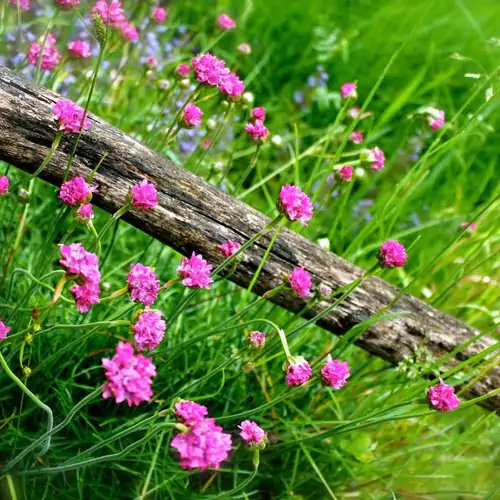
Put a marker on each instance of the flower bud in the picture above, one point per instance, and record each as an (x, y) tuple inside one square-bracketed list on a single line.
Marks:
[(277, 141), (23, 196), (247, 98), (185, 83), (211, 124)]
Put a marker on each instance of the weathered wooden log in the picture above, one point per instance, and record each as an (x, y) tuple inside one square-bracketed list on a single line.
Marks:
[(193, 215)]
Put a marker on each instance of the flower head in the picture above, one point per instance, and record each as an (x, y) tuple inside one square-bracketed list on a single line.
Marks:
[(375, 157), (392, 254), (159, 14), (79, 48), (345, 173), (442, 397), (75, 191), (85, 212), (143, 284), (112, 12), (335, 373), (295, 204), (324, 290), (191, 116), (348, 90), (258, 113), (300, 281), (149, 330), (151, 62), (86, 295), (209, 69), (4, 185), (195, 272), (68, 2), (50, 56), (353, 113), (252, 434), (183, 70), (256, 339), (356, 137), (231, 86), (78, 261), (225, 22), (144, 195), (4, 330), (203, 445), (129, 31), (129, 376), (470, 226), (298, 372), (435, 118), (229, 248), (23, 4), (244, 48), (190, 412), (258, 132), (70, 116)]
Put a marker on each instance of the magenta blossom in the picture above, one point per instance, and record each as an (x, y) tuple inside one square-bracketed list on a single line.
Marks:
[(79, 48), (151, 62), (129, 376), (470, 226), (348, 90), (353, 113), (244, 48), (295, 204), (4, 185), (375, 157), (143, 284), (252, 434), (258, 132), (23, 4), (298, 372), (335, 373), (183, 70), (191, 116), (392, 254), (442, 397), (345, 173), (300, 281), (258, 113), (159, 14), (112, 12), (79, 261), (229, 248), (203, 445), (68, 2), (85, 212), (257, 339), (436, 118), (75, 191), (225, 22), (144, 195), (4, 330), (149, 330), (129, 31), (70, 116), (50, 56), (86, 295), (209, 69), (190, 412), (356, 137), (195, 272), (231, 86)]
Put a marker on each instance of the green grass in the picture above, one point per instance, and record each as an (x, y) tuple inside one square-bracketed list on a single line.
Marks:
[(373, 439)]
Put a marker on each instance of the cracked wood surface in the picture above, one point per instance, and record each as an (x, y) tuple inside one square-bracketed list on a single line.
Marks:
[(193, 215)]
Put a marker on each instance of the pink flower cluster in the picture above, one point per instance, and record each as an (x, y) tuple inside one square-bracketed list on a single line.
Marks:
[(231, 86), (143, 196), (375, 157), (149, 330), (143, 284), (436, 118), (85, 213), (191, 116), (129, 376), (4, 185), (68, 2), (335, 373), (229, 248), (349, 90), (298, 372), (203, 444), (258, 132), (183, 70), (160, 14), (85, 265), (356, 137), (114, 14), (295, 204), (4, 330), (70, 116), (345, 173), (392, 254), (195, 272), (50, 56), (225, 22), (257, 339), (79, 48), (258, 113), (252, 434), (442, 397), (300, 282), (75, 191), (23, 4)]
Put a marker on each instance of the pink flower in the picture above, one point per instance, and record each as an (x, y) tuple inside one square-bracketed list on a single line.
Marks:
[(442, 397), (129, 31), (436, 118), (244, 48), (149, 330), (257, 339), (231, 86), (143, 284), (85, 212), (70, 116), (225, 22), (191, 116), (129, 376), (75, 191), (375, 157), (50, 56), (144, 195), (335, 373), (257, 131), (392, 254), (79, 48), (151, 62), (190, 412), (348, 90), (78, 261), (4, 185), (229, 248), (353, 113), (345, 173), (298, 372), (258, 114), (195, 272), (252, 434), (470, 226), (160, 14), (4, 330), (324, 290), (295, 204), (112, 12), (86, 295), (203, 445), (183, 70), (23, 4), (356, 137), (68, 2), (300, 281), (209, 69)]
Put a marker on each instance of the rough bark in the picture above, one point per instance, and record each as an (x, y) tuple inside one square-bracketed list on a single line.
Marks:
[(193, 215)]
